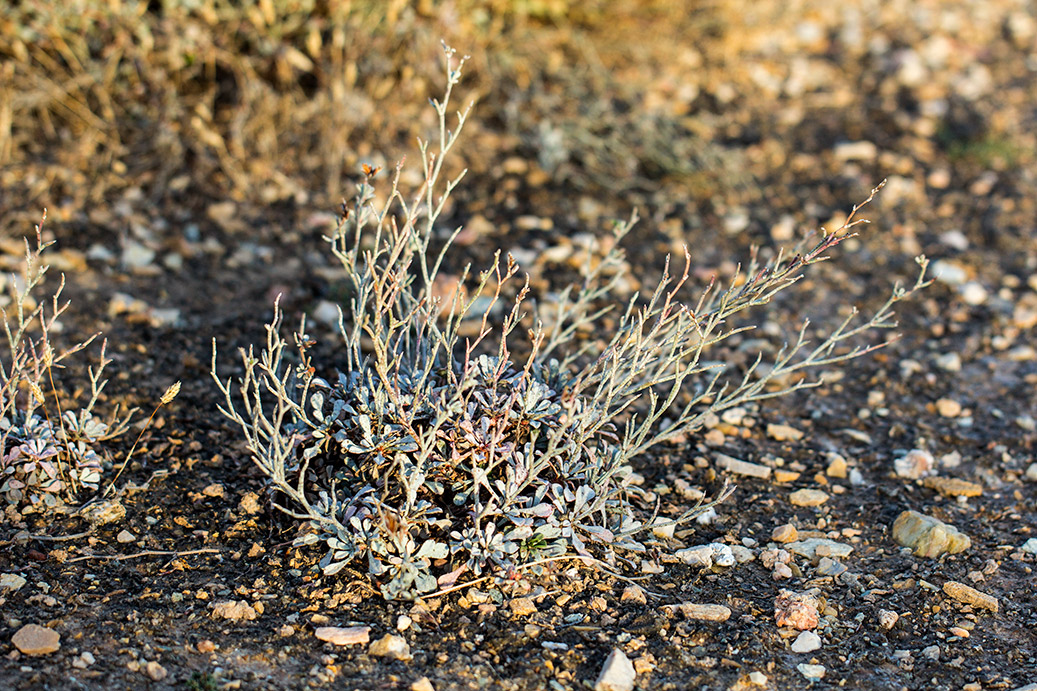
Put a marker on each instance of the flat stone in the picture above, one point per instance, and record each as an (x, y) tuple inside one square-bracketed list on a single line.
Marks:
[(808, 497), (337, 635), (914, 464), (784, 533), (634, 593), (927, 536), (970, 596), (394, 647), (806, 642), (155, 671), (953, 487), (422, 684), (700, 612), (816, 547), (1030, 547), (837, 468), (783, 433), (11, 581), (522, 607), (235, 610), (33, 639), (739, 467), (812, 672), (617, 674), (786, 475), (125, 536), (827, 566)]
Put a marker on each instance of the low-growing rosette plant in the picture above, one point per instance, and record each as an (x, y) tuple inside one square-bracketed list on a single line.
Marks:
[(52, 451), (431, 452)]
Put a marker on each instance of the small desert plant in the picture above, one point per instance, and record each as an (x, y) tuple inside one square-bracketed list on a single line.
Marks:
[(431, 454), (50, 450)]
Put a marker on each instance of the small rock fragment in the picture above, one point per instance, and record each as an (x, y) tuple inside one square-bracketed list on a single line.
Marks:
[(699, 612), (837, 467), (234, 610), (798, 610), (104, 513), (155, 671), (338, 635), (808, 497), (827, 566), (125, 536), (701, 556), (11, 581), (522, 607), (817, 547), (927, 536), (806, 642), (634, 593), (953, 487), (784, 533), (422, 684), (970, 596), (205, 646), (812, 672), (617, 674), (390, 646), (914, 464), (783, 433), (249, 503), (33, 639), (887, 619), (1030, 547), (948, 407), (739, 467)]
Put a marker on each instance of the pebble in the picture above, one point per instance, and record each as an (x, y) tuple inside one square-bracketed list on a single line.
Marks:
[(855, 151), (948, 407), (812, 672), (953, 487), (927, 536), (422, 684), (390, 646), (970, 596), (33, 639), (155, 671), (522, 607), (235, 610), (635, 594), (84, 660), (1030, 546), (784, 533), (887, 619), (617, 674), (798, 610), (104, 513), (808, 497), (837, 467), (403, 622), (1031, 472), (11, 581), (664, 529), (125, 536), (739, 467), (806, 642), (249, 504), (914, 464), (699, 612), (783, 432), (816, 547), (786, 475), (830, 567), (706, 556), (336, 635)]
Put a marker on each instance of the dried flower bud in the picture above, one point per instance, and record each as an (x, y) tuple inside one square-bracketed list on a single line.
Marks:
[(37, 392), (170, 393)]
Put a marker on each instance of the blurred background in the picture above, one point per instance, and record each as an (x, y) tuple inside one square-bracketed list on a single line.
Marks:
[(737, 121)]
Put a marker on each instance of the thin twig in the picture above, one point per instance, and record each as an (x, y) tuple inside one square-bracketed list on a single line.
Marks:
[(146, 553)]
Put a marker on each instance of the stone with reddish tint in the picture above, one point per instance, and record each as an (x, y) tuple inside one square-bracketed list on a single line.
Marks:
[(337, 635), (798, 610)]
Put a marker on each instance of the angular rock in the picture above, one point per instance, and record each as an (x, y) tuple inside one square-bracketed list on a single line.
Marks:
[(798, 610), (33, 639), (806, 642), (390, 646), (927, 536), (522, 606), (784, 533), (692, 610), (234, 610), (422, 684), (812, 672), (914, 464), (783, 433), (887, 619), (155, 671), (617, 674), (634, 593), (970, 596), (337, 635)]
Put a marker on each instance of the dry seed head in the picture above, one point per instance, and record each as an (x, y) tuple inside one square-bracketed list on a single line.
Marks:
[(37, 392), (170, 393)]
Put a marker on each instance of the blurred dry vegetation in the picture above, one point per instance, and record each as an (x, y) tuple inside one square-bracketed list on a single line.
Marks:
[(281, 99)]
